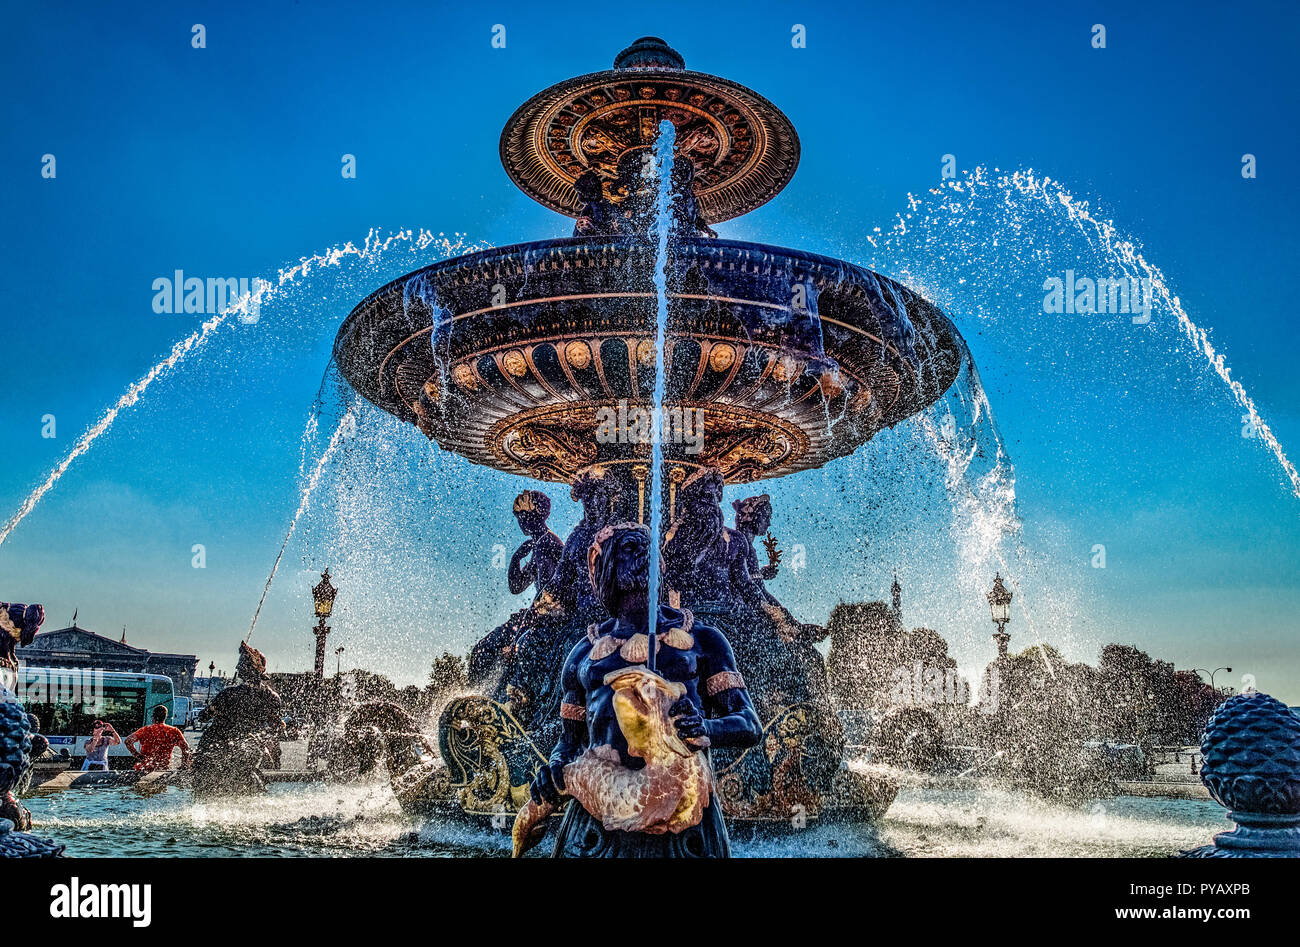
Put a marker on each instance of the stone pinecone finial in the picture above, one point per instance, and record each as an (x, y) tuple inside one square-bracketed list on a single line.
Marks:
[(15, 763), (1251, 750)]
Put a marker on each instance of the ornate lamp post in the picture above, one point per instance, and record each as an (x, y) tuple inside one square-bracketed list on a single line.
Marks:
[(338, 661), (1000, 605), (323, 595), (212, 668)]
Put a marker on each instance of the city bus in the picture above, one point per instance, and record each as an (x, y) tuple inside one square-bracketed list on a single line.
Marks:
[(68, 701)]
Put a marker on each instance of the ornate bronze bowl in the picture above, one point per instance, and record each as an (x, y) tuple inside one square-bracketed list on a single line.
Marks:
[(507, 357)]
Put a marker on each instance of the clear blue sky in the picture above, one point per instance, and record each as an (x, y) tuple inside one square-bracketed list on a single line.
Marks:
[(225, 161)]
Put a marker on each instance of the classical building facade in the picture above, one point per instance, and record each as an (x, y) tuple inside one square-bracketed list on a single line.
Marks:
[(78, 648)]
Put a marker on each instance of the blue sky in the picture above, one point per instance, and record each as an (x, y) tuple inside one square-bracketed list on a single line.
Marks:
[(225, 161)]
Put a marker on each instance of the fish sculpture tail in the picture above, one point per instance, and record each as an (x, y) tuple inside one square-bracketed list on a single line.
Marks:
[(669, 793), (530, 826)]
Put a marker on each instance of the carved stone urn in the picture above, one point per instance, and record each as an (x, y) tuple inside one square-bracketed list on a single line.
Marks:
[(1251, 749)]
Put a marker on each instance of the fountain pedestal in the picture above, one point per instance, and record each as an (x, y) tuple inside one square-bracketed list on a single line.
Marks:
[(1251, 750), (14, 844), (15, 767)]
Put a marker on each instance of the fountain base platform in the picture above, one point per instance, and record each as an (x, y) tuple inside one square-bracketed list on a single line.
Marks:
[(488, 761)]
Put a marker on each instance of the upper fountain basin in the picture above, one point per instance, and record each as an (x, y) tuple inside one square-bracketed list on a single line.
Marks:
[(508, 356)]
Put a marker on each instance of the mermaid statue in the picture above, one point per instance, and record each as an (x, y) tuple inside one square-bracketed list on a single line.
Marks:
[(636, 727)]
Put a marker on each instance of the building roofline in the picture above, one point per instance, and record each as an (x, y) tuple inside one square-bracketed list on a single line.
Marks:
[(35, 646)]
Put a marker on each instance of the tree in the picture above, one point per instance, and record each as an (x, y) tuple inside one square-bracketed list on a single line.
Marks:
[(876, 664), (411, 698), (448, 675), (1147, 702), (1041, 723)]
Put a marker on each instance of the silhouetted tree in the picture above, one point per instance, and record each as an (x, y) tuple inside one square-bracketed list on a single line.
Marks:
[(448, 675), (876, 664)]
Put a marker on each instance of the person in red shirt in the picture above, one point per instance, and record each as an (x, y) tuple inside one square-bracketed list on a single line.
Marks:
[(152, 745)]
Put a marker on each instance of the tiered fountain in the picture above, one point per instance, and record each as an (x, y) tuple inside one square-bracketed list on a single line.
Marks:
[(518, 357)]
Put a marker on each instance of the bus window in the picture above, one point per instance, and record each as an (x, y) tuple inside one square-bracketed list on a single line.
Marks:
[(121, 705)]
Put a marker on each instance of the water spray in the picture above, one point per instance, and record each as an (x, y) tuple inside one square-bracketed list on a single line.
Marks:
[(347, 425), (663, 165), (373, 246)]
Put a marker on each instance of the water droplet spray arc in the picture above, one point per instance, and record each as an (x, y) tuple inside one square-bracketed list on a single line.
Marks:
[(663, 166), (374, 245), (347, 425), (1005, 201)]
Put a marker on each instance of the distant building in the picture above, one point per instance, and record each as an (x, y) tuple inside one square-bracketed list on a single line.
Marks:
[(78, 648)]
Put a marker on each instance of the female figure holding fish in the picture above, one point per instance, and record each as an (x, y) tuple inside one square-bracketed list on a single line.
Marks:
[(636, 727)]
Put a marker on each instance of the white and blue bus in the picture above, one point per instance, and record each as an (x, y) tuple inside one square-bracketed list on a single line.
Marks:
[(68, 701)]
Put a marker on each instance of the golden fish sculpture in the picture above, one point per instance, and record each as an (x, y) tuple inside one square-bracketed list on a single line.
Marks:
[(668, 794)]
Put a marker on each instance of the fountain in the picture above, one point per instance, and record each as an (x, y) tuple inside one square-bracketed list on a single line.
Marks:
[(540, 359), (648, 365)]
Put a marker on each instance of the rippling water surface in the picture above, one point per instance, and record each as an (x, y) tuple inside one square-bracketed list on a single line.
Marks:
[(340, 821)]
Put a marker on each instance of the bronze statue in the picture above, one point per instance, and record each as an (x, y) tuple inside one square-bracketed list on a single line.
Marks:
[(703, 561), (709, 567), (244, 732), (379, 732), (561, 598), (516, 662), (537, 557), (754, 519), (638, 715), (18, 626), (596, 489), (635, 185), (598, 214)]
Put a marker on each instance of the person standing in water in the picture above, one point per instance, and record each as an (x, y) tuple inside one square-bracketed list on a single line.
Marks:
[(101, 738), (152, 745)]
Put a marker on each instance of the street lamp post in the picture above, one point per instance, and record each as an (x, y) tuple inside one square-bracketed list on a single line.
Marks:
[(338, 661), (1212, 673), (323, 597), (212, 667), (1000, 606)]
